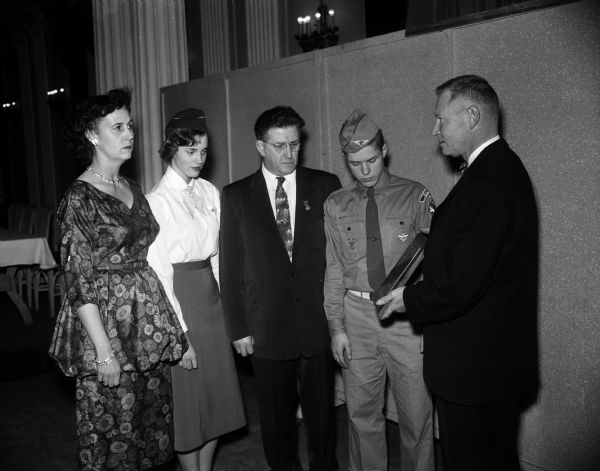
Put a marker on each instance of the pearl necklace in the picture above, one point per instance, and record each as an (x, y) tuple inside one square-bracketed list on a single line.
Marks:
[(102, 177)]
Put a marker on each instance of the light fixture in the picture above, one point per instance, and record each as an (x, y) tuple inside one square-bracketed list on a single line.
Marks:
[(320, 34), (57, 96), (56, 91)]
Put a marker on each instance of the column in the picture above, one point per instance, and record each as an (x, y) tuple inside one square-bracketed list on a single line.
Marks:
[(214, 23), (262, 26)]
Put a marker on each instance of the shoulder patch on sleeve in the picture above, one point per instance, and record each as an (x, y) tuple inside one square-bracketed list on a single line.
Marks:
[(426, 194)]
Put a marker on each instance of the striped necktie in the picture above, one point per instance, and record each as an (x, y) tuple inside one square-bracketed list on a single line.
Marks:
[(282, 216)]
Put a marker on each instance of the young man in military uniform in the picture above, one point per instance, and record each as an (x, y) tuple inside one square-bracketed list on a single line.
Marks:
[(368, 225)]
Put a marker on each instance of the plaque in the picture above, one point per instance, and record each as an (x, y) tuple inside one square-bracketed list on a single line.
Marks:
[(402, 271)]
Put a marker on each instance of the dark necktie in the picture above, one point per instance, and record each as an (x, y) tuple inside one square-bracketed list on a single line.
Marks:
[(282, 216), (375, 263)]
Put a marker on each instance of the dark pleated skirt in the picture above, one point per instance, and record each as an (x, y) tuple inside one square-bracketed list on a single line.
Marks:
[(207, 401)]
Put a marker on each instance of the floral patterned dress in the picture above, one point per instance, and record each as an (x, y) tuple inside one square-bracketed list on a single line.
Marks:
[(103, 255)]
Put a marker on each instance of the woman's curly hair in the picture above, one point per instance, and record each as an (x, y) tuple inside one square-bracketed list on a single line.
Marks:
[(183, 137), (87, 113)]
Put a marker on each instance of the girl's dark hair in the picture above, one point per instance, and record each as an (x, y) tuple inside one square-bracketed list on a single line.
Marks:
[(183, 137), (87, 113)]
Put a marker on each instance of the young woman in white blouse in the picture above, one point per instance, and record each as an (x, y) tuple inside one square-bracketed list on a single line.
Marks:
[(206, 396)]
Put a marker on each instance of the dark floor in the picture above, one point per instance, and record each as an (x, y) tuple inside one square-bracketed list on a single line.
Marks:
[(37, 414)]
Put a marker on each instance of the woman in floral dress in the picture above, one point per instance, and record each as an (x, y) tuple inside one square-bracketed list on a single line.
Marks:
[(116, 331)]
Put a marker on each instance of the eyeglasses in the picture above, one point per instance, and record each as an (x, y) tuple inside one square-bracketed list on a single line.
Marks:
[(294, 146)]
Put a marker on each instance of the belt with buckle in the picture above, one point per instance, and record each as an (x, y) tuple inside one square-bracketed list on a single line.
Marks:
[(362, 294)]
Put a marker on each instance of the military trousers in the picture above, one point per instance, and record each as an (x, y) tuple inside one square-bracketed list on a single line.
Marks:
[(385, 350)]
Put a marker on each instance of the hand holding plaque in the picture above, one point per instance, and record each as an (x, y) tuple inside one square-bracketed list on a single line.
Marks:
[(401, 273)]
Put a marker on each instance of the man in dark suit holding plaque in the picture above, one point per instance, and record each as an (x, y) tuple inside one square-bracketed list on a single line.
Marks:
[(478, 298), (369, 225), (272, 262)]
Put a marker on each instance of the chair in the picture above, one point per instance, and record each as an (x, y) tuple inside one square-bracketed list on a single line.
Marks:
[(41, 221), (14, 214), (50, 280), (26, 219), (24, 223)]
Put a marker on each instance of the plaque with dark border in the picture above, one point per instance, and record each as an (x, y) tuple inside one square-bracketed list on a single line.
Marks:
[(402, 271)]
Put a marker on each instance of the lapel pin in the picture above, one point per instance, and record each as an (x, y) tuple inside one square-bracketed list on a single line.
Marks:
[(306, 205)]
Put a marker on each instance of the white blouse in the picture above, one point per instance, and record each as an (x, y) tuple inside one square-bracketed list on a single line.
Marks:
[(188, 215)]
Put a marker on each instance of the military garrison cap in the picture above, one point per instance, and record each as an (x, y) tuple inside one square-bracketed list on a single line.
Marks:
[(357, 131), (190, 118)]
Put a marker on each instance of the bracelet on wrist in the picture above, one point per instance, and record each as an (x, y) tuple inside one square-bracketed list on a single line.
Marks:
[(107, 361)]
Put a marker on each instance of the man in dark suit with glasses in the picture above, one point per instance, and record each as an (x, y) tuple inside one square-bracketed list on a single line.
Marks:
[(272, 263)]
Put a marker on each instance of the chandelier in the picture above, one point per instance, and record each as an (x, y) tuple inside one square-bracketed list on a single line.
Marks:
[(319, 34)]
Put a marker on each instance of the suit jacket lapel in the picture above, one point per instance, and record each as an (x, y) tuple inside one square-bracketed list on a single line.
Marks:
[(457, 186), (303, 194), (471, 171)]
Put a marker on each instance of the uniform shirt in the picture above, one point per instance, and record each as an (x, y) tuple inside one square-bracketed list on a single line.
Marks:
[(289, 185), (188, 215), (404, 208)]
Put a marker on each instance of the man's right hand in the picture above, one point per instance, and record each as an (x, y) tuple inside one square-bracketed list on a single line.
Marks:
[(244, 346), (341, 349)]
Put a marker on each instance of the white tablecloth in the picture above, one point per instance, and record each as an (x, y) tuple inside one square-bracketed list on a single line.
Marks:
[(17, 248)]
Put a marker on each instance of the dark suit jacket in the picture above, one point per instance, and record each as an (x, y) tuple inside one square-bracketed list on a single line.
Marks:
[(478, 298), (264, 295)]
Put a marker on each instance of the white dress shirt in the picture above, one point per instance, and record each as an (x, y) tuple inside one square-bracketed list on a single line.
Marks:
[(188, 215), (477, 151), (289, 185)]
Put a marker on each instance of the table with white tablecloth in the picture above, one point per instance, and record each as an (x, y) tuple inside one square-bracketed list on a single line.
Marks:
[(19, 249)]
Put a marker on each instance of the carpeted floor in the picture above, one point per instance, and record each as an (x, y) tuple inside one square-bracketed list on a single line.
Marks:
[(37, 412)]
